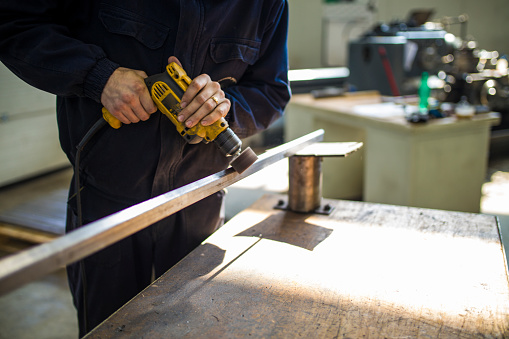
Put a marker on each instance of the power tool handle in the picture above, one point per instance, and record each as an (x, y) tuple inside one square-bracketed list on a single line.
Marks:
[(110, 119), (178, 74)]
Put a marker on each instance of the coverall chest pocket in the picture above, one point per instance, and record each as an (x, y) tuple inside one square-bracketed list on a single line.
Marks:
[(134, 40), (230, 57)]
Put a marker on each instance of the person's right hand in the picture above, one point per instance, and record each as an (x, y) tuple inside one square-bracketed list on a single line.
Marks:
[(126, 96)]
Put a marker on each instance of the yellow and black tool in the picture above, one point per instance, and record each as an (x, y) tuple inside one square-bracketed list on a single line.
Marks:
[(167, 89)]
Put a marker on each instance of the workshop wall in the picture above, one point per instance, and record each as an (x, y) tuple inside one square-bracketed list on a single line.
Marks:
[(304, 37), (307, 44), (28, 131)]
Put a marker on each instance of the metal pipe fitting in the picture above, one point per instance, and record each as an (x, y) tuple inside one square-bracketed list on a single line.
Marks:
[(305, 183)]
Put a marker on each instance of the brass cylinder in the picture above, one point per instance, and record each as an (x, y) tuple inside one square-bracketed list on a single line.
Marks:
[(305, 183)]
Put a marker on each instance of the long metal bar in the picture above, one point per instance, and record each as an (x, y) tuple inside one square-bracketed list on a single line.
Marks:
[(26, 266)]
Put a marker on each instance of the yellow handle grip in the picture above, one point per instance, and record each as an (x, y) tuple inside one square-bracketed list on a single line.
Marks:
[(110, 119)]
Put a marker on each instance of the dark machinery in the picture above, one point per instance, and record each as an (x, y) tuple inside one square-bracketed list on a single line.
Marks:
[(391, 58), (479, 75)]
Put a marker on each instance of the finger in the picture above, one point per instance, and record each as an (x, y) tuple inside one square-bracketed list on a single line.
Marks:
[(202, 104), (219, 112), (140, 112), (137, 104), (126, 115), (120, 116), (147, 103), (207, 108), (117, 109), (197, 90), (203, 110), (129, 106), (174, 59)]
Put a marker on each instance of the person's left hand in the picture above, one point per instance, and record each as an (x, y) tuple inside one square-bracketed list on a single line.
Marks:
[(204, 101)]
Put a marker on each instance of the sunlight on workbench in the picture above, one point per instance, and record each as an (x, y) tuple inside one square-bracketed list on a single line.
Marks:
[(431, 276)]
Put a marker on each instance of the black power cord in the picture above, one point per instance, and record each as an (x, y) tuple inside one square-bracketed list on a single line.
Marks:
[(77, 186)]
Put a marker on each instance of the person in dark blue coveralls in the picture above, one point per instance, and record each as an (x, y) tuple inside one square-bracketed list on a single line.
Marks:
[(96, 53)]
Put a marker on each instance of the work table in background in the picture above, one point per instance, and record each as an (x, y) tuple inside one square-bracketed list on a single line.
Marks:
[(439, 164)]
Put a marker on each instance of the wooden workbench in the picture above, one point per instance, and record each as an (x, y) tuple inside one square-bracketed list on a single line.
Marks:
[(440, 164), (367, 270)]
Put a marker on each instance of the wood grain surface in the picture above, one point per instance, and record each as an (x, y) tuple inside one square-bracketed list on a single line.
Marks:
[(367, 270)]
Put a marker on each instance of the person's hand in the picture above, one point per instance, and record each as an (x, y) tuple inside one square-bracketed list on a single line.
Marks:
[(204, 101), (126, 96)]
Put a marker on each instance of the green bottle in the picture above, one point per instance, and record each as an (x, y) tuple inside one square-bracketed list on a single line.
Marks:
[(424, 92)]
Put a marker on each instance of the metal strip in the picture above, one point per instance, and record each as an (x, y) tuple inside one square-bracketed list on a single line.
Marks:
[(31, 264)]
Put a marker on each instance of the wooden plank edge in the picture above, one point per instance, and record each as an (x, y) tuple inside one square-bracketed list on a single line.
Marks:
[(26, 234)]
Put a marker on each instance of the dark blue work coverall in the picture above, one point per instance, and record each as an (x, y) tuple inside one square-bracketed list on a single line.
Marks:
[(71, 47)]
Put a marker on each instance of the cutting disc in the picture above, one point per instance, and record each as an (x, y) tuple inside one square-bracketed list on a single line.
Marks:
[(245, 159)]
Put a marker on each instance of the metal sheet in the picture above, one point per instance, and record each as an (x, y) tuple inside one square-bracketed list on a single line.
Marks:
[(330, 149)]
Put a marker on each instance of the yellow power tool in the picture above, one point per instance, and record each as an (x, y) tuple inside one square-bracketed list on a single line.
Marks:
[(167, 89)]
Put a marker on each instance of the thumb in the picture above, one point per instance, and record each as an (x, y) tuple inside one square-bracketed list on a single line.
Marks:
[(174, 59)]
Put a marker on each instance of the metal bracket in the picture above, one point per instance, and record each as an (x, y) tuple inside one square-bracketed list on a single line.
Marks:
[(305, 176), (322, 209)]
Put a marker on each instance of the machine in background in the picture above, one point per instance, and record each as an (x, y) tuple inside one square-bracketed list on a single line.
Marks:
[(478, 75), (391, 58)]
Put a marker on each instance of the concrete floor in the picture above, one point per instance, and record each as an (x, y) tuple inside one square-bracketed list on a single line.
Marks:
[(43, 308)]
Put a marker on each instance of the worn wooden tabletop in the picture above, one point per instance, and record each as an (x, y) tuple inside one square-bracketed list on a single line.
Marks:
[(367, 270)]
